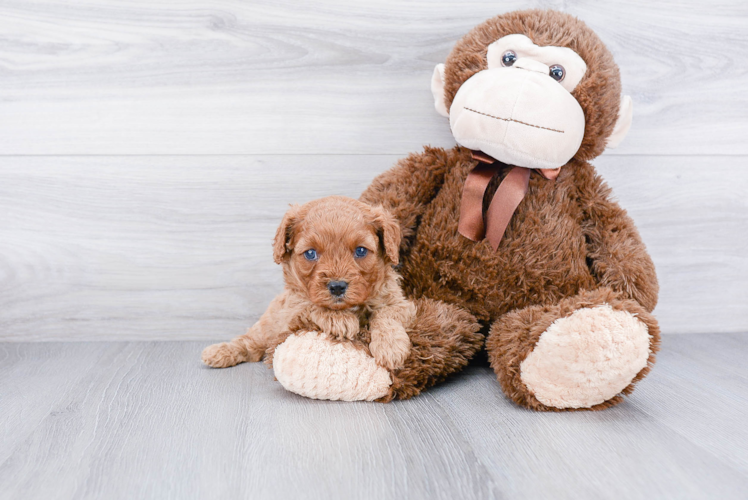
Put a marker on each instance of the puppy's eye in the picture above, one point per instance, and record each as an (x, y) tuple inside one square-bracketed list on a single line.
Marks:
[(310, 254), (361, 252)]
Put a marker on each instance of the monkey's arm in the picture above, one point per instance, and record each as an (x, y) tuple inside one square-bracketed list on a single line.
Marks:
[(618, 258), (407, 188)]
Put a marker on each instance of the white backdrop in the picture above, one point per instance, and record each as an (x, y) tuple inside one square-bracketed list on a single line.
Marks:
[(149, 149)]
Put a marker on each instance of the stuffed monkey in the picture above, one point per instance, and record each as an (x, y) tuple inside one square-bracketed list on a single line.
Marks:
[(515, 229)]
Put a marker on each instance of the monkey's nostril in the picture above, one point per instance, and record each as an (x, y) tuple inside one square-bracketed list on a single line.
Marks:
[(337, 288)]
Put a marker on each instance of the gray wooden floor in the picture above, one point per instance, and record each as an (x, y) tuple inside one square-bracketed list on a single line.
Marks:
[(146, 420)]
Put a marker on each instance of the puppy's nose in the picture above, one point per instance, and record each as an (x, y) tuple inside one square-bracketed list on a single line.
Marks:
[(337, 288)]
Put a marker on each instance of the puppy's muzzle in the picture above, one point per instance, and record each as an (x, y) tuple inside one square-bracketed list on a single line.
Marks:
[(337, 288)]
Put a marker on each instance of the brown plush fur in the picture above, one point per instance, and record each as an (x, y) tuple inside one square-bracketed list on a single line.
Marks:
[(444, 338), (334, 227), (568, 244)]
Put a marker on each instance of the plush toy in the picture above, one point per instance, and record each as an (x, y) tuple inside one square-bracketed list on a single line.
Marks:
[(515, 227)]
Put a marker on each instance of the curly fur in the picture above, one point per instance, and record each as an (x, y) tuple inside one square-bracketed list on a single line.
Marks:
[(334, 227)]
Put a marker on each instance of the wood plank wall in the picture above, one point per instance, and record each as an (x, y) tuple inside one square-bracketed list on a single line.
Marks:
[(149, 149)]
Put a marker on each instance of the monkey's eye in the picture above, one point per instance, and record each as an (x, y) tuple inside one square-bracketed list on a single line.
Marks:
[(360, 252), (508, 58), (557, 72), (310, 254)]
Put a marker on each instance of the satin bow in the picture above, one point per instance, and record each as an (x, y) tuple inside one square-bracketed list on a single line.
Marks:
[(505, 201)]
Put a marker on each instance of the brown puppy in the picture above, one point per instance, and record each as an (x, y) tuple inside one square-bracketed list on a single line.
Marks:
[(337, 255)]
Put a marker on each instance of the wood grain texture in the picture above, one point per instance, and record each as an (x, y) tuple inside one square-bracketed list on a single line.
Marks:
[(327, 77), (159, 248), (146, 420)]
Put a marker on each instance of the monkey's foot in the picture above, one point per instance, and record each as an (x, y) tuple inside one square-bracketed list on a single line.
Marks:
[(311, 365), (587, 358)]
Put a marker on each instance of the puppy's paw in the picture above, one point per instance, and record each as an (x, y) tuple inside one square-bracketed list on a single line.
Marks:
[(222, 355), (390, 349)]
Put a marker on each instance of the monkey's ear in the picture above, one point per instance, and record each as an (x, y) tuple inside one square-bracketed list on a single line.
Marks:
[(284, 234), (437, 89), (623, 124), (388, 230)]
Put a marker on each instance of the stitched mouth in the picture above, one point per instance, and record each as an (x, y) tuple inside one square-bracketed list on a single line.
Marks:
[(513, 120)]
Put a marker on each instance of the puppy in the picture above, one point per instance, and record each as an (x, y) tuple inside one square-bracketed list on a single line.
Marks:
[(337, 255)]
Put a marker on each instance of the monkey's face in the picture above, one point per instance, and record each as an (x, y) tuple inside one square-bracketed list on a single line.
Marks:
[(521, 109)]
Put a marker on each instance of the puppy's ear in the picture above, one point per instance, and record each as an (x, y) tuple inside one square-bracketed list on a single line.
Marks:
[(285, 233), (388, 230)]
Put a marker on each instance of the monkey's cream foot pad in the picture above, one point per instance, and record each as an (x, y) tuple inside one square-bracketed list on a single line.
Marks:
[(311, 365), (586, 358)]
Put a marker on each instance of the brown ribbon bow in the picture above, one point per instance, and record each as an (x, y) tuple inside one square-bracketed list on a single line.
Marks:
[(505, 201)]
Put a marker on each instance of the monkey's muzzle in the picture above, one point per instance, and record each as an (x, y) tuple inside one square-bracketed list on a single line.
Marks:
[(518, 116)]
